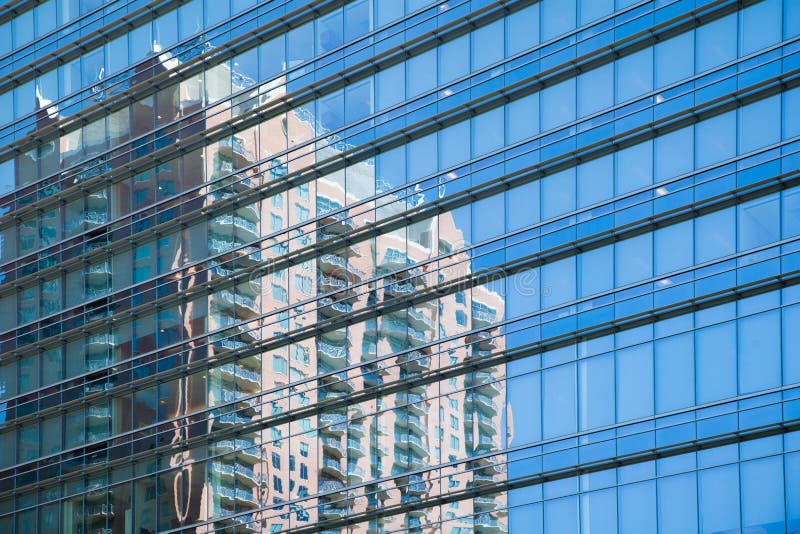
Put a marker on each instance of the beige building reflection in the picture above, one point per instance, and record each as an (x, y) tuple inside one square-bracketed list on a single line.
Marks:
[(397, 436)]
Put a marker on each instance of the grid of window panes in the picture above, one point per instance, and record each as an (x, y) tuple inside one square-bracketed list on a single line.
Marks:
[(416, 266)]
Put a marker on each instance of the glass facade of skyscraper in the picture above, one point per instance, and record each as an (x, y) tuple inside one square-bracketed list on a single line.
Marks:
[(424, 266)]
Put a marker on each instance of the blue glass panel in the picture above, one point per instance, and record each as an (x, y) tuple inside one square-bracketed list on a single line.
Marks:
[(715, 139), (674, 59), (596, 271), (716, 42), (760, 124), (596, 379), (558, 193), (558, 282), (637, 508), (762, 495), (595, 90), (594, 9), (595, 180), (522, 118), (487, 44), (674, 247), (561, 515), (674, 153), (792, 470), (634, 75), (715, 235), (634, 259), (523, 29), (487, 131), (674, 372), (526, 519), (599, 511), (453, 59), (791, 344), (759, 352), (523, 205), (558, 399), (558, 104), (677, 504), (634, 382), (634, 167), (760, 26), (719, 499), (558, 16), (715, 349), (759, 222)]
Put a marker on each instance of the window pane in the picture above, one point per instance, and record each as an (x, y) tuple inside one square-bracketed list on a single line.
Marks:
[(759, 352), (674, 371), (760, 124), (560, 410), (716, 362), (596, 391), (716, 43), (719, 499), (677, 504), (634, 74), (635, 382)]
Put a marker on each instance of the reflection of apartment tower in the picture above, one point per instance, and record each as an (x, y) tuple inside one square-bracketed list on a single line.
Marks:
[(240, 482)]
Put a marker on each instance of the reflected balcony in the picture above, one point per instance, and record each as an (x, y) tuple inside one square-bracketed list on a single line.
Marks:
[(486, 383), (246, 450), (419, 320), (245, 379), (331, 308), (331, 264), (240, 496), (485, 444), (394, 327), (331, 356), (235, 150), (332, 446), (414, 361), (489, 525), (333, 467), (332, 511), (413, 423), (415, 443), (414, 402), (336, 223), (98, 413), (484, 503), (245, 475), (486, 424), (226, 225), (482, 402), (355, 475), (355, 449), (98, 274), (482, 318), (326, 284), (238, 305), (334, 487), (398, 289), (482, 341), (333, 381), (416, 484), (416, 337), (332, 423), (352, 248)]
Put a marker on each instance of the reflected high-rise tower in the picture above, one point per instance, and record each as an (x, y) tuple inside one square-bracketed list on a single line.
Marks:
[(422, 266)]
